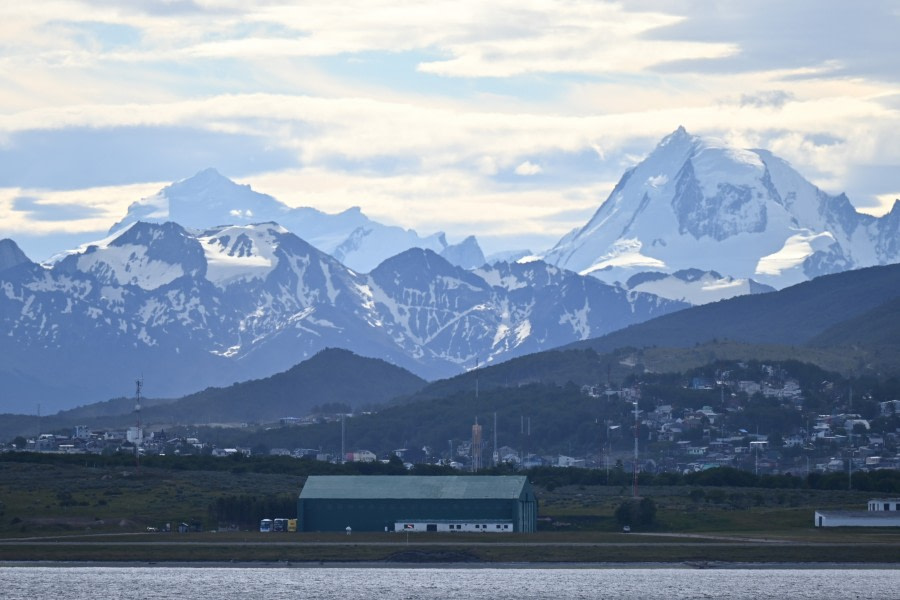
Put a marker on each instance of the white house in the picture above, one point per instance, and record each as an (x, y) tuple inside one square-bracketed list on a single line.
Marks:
[(884, 504), (361, 456), (568, 461)]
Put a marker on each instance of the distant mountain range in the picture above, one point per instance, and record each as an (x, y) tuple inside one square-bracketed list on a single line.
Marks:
[(695, 221), (847, 322), (700, 221), (193, 303), (191, 309), (209, 199)]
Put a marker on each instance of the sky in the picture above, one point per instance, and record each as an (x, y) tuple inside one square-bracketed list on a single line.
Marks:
[(511, 121)]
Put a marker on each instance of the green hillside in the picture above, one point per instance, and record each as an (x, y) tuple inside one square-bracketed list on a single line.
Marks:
[(332, 376), (789, 317), (563, 418)]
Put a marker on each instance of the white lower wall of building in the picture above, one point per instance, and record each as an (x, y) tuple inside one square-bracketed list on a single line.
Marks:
[(447, 526), (859, 519)]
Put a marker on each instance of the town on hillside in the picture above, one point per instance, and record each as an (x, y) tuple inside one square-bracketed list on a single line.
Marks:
[(661, 427)]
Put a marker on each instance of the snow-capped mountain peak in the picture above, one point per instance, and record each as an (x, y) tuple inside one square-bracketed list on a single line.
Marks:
[(697, 203), (145, 255), (209, 199), (240, 252)]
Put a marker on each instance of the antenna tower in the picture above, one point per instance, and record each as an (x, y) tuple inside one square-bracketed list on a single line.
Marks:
[(476, 446)]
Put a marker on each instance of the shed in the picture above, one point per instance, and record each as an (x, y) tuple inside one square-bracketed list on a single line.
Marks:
[(856, 518), (883, 512), (380, 502)]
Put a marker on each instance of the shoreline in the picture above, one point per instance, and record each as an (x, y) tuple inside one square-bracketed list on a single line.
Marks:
[(676, 565)]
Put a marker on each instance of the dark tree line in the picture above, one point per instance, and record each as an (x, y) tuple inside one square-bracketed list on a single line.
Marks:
[(245, 512), (883, 481)]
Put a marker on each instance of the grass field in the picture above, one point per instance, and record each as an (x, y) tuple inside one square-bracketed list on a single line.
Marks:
[(86, 513)]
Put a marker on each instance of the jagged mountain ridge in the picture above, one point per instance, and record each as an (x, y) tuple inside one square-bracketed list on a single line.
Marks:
[(210, 199), (11, 255), (192, 309), (697, 204)]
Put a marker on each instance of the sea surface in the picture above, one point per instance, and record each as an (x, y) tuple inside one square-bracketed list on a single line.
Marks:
[(76, 583)]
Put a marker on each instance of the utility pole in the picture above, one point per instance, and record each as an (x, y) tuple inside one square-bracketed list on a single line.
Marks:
[(496, 455), (608, 451), (850, 468), (139, 434), (634, 483), (850, 457)]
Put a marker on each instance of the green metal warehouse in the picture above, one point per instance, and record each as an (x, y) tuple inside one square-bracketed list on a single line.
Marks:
[(417, 503)]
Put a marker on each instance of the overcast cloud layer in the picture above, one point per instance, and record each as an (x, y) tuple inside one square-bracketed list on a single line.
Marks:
[(509, 120)]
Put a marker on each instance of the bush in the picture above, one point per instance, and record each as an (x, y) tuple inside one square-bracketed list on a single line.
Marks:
[(637, 513)]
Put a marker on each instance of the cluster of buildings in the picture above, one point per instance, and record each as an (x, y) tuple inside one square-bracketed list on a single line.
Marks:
[(670, 437), (84, 440), (683, 439)]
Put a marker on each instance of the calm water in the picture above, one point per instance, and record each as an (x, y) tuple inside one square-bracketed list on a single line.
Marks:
[(76, 583)]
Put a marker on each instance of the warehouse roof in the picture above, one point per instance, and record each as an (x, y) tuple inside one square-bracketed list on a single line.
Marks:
[(453, 487)]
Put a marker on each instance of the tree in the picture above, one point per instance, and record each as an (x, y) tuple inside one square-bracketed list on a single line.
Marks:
[(637, 513), (627, 513), (19, 442), (647, 512)]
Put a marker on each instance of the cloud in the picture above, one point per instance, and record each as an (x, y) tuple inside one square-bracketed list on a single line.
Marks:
[(773, 99), (580, 37), (459, 202), (412, 109), (528, 168), (79, 157), (827, 38), (384, 144), (53, 211), (88, 213)]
